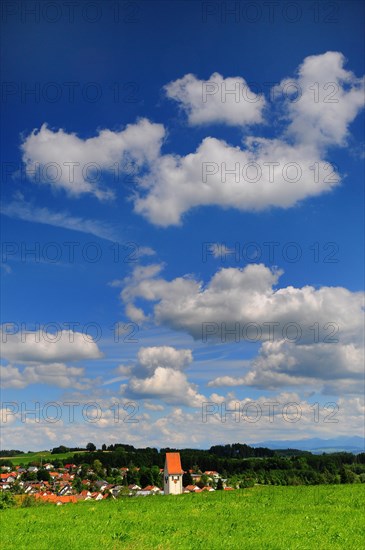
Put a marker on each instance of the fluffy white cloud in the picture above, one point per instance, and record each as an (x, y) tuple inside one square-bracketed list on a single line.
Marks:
[(164, 356), (158, 374), (265, 173), (329, 99), (212, 101), (260, 174), (38, 357), (309, 336), (52, 374), (235, 297), (66, 161), (167, 384), (178, 427), (335, 369), (41, 346)]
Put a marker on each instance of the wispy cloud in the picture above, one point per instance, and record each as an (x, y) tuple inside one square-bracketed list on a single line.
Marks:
[(23, 210)]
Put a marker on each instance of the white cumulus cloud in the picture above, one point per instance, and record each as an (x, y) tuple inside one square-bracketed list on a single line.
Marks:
[(41, 346), (217, 100), (67, 161)]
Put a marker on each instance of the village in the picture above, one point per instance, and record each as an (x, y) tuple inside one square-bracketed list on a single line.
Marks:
[(72, 483)]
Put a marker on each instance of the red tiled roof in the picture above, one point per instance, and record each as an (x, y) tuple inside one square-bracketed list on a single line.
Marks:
[(71, 498), (173, 463), (55, 498), (191, 487)]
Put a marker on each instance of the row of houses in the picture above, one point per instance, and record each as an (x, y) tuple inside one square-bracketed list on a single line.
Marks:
[(59, 489)]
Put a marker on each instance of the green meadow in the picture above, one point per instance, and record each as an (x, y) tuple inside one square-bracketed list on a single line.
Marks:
[(45, 456), (263, 517)]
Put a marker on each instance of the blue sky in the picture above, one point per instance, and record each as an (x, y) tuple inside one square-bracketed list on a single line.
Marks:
[(137, 100)]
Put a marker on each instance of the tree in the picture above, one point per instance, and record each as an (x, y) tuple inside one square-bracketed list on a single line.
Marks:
[(90, 447), (60, 449), (98, 467), (156, 476), (103, 447), (187, 479), (29, 476), (204, 480), (219, 485), (133, 477), (43, 475), (6, 500), (77, 485), (347, 476), (146, 477)]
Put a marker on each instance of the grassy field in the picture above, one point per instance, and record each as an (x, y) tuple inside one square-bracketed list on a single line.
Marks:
[(46, 456), (280, 518)]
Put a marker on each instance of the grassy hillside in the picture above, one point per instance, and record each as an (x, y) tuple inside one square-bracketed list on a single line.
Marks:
[(46, 456), (277, 518)]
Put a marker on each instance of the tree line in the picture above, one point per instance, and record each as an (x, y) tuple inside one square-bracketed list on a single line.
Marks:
[(240, 464)]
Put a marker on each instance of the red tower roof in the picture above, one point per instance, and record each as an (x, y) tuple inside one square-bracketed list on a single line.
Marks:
[(173, 464)]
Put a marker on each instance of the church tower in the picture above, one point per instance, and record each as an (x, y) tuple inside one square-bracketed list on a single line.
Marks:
[(173, 474)]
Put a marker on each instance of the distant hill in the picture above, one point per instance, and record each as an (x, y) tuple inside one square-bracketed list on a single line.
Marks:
[(316, 445)]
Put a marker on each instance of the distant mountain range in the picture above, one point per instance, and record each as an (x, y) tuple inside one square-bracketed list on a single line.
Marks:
[(352, 444)]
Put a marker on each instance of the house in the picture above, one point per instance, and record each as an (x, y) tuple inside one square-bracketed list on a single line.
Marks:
[(115, 490), (191, 489), (149, 490), (213, 475), (33, 469), (8, 478), (68, 477), (84, 495), (64, 500), (173, 474), (152, 489), (134, 487), (48, 466), (66, 490), (101, 485), (56, 499), (196, 477)]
